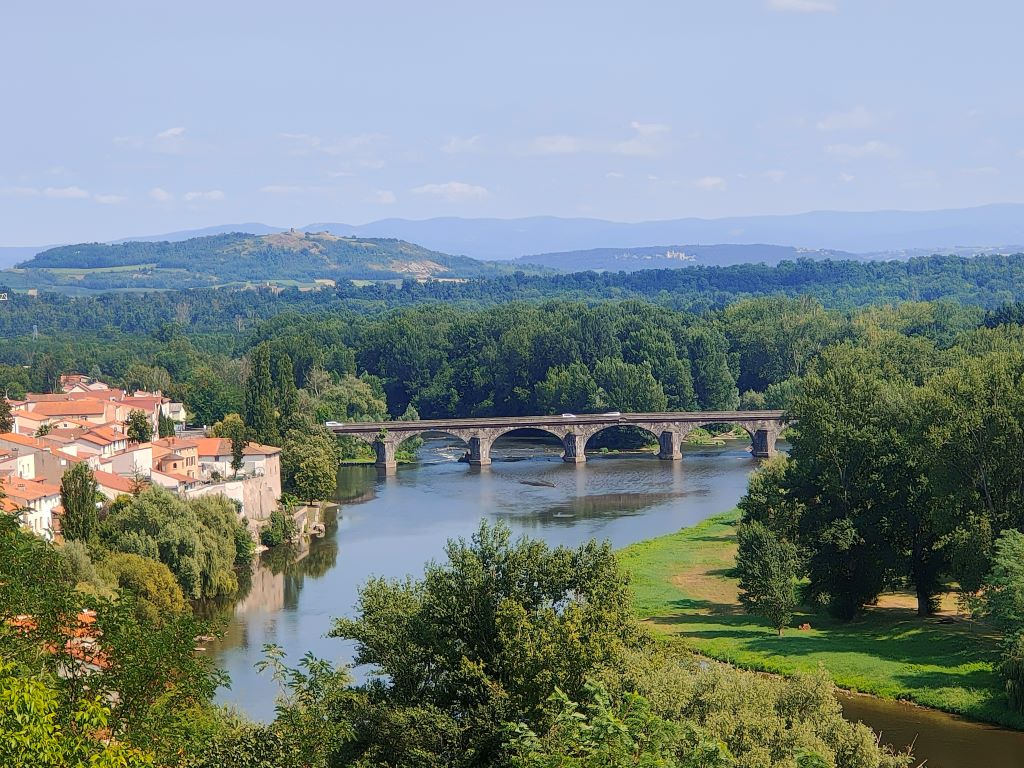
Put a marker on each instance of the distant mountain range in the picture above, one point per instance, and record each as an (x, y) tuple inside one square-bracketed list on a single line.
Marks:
[(567, 243)]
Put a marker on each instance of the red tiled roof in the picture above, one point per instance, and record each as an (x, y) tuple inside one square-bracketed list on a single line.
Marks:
[(11, 437), (71, 408), (221, 446), (114, 482)]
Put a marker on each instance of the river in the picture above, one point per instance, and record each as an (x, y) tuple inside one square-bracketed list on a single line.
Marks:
[(390, 526)]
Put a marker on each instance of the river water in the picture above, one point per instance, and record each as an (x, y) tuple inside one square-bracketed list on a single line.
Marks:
[(391, 525)]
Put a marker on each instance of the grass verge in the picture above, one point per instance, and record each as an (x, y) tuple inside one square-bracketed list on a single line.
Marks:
[(684, 589)]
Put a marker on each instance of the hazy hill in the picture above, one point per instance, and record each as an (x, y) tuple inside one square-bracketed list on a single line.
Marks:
[(990, 227), (673, 256), (282, 258)]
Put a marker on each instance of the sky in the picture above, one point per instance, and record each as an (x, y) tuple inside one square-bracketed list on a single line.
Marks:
[(133, 118)]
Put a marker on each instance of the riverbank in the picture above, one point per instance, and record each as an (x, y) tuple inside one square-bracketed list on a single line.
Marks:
[(683, 588)]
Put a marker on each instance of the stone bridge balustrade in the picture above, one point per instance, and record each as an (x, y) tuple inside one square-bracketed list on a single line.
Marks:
[(574, 432)]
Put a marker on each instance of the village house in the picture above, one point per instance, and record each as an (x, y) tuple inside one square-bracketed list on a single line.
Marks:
[(38, 504)]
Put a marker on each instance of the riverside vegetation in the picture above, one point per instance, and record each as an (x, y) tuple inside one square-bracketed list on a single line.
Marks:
[(902, 475)]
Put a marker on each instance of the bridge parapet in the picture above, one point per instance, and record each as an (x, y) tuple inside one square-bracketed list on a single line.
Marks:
[(574, 431)]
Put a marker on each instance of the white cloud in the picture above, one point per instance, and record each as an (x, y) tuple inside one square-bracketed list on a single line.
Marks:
[(648, 140), (210, 195), (460, 145), (846, 178), (170, 141), (803, 6), (109, 199), (857, 119), (710, 182), (614, 175), (385, 197), (171, 133), (775, 176), (160, 195), (66, 193), (453, 191), (873, 148)]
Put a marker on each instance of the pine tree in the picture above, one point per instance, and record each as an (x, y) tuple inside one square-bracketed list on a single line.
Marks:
[(259, 397), (78, 496)]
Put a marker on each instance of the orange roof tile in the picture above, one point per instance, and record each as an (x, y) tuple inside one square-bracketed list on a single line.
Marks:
[(71, 408), (114, 482), (11, 437)]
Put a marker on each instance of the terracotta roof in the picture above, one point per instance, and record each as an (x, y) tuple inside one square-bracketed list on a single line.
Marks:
[(22, 414), (71, 408), (28, 490), (172, 457), (174, 443), (11, 437), (114, 482), (221, 446)]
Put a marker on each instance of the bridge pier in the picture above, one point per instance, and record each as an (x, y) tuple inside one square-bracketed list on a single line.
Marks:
[(479, 451), (669, 443), (385, 452), (763, 443), (575, 448)]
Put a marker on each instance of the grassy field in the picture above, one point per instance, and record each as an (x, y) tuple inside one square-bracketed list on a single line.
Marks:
[(684, 588)]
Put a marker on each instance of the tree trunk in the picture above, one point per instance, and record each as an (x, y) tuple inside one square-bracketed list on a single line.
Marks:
[(924, 603)]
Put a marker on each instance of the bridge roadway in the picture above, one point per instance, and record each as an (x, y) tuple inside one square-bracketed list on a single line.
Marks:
[(669, 428)]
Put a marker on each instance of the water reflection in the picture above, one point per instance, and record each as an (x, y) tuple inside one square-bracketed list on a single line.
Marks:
[(391, 525)]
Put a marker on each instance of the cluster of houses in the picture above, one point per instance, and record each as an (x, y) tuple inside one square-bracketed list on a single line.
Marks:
[(86, 423)]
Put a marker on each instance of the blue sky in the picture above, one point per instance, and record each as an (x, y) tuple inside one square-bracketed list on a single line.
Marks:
[(124, 118)]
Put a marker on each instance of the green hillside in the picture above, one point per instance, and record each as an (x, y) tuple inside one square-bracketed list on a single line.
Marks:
[(286, 258)]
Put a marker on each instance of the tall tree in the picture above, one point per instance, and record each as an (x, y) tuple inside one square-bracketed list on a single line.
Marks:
[(259, 397), (138, 427), (78, 497), (766, 565), (6, 417), (285, 391), (713, 380)]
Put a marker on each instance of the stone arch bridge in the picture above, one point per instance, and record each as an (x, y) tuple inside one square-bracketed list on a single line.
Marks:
[(573, 431)]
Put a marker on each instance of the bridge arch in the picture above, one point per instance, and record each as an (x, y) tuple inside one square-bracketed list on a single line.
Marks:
[(651, 430)]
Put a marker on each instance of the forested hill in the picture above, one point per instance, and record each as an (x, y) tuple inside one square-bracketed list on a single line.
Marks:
[(986, 282), (290, 257)]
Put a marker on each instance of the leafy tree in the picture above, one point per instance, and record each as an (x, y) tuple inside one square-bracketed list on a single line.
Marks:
[(194, 538), (569, 389), (157, 594), (629, 387), (259, 413), (147, 378), (713, 380), (766, 565), (78, 497), (34, 731), (44, 429), (280, 529), (1003, 603), (138, 427), (317, 473), (492, 631)]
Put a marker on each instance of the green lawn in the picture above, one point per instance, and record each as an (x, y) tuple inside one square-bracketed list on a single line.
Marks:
[(683, 588)]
